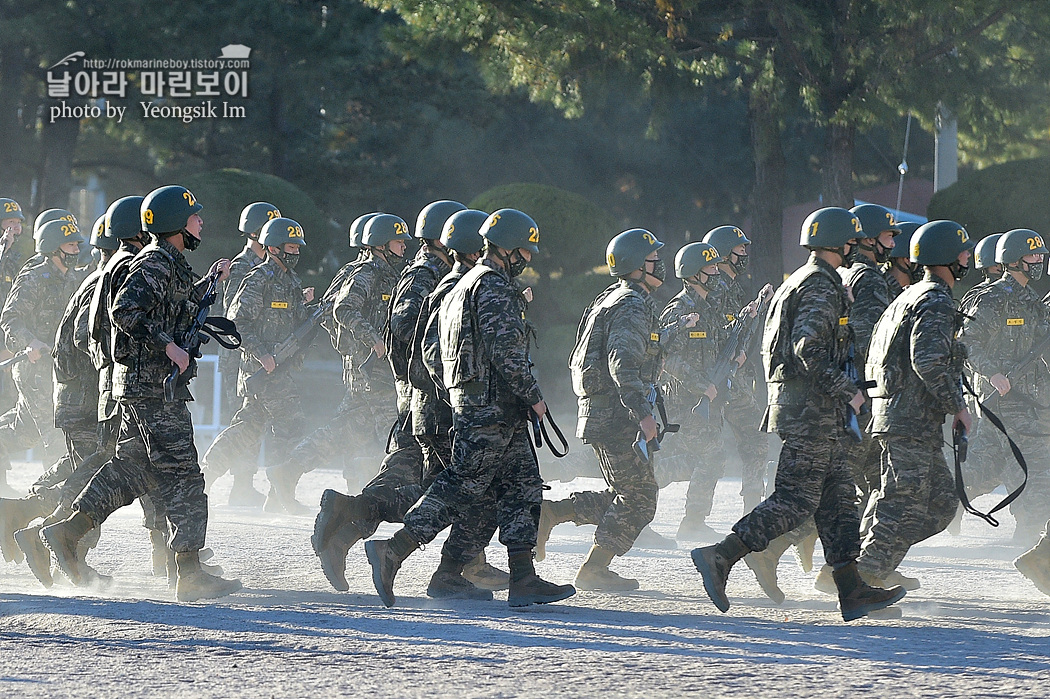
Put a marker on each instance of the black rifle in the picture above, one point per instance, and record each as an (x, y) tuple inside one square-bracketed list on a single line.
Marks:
[(726, 366), (18, 357), (203, 327), (299, 339), (851, 425), (645, 449), (1033, 356)]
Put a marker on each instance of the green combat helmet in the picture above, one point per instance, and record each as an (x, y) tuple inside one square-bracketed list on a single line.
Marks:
[(902, 240), (725, 238), (357, 228), (431, 219), (694, 256), (1018, 243), (166, 210), (100, 237), (511, 229), (984, 253), (383, 228), (255, 216), (54, 234), (278, 231), (123, 218), (49, 215), (939, 243), (461, 232), (9, 208), (627, 251), (831, 227), (875, 219)]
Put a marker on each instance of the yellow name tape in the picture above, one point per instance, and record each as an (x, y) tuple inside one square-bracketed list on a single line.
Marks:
[(844, 320), (655, 337), (278, 304), (1015, 321), (386, 297), (697, 335)]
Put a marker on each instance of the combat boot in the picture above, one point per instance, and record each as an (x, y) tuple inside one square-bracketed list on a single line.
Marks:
[(594, 574), (1035, 565), (15, 515), (244, 493), (334, 534), (448, 582), (649, 538), (764, 565), (485, 576), (714, 563), (897, 578), (62, 538), (552, 513), (386, 556), (528, 588), (195, 584), (159, 543), (804, 552), (857, 598), (37, 555), (825, 581), (281, 497), (693, 528)]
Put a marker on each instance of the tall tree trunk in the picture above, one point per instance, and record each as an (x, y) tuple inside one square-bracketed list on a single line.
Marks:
[(58, 145), (837, 175), (14, 172), (767, 197)]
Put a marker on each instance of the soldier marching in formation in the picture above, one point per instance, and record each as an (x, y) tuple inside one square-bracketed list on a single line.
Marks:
[(437, 366)]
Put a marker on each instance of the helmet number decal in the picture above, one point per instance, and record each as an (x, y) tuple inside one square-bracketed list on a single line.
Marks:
[(709, 254), (856, 225), (1034, 243), (189, 198), (534, 235), (813, 229), (295, 232), (400, 228), (69, 229), (272, 214), (649, 238), (493, 220), (11, 207), (147, 216), (889, 217), (611, 260)]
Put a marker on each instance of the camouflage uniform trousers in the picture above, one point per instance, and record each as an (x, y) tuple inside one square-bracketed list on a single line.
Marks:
[(81, 443), (695, 454), (915, 501), (31, 422), (629, 504), (864, 460), (397, 486), (155, 455), (991, 463), (492, 480), (813, 482), (743, 416), (360, 424), (278, 410)]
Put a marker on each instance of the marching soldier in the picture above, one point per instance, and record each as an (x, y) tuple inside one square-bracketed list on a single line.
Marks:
[(155, 451), (615, 365), (811, 398), (486, 368), (984, 262), (899, 271), (267, 307), (916, 363)]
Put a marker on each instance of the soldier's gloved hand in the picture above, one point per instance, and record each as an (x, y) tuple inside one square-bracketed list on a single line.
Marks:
[(1000, 383), (540, 409), (36, 348), (268, 363), (380, 349), (178, 356), (858, 402), (649, 428), (964, 418), (222, 268), (308, 294)]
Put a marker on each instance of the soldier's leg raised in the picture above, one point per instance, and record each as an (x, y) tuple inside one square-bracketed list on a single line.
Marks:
[(236, 449)]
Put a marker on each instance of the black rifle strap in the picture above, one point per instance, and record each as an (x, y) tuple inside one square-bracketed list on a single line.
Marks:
[(222, 330), (540, 434), (960, 487)]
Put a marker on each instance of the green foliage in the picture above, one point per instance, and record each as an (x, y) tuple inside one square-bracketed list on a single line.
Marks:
[(998, 198), (223, 193)]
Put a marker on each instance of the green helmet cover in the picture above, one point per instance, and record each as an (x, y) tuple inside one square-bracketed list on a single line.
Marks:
[(627, 251), (383, 228), (49, 215), (123, 219), (1017, 243), (725, 238), (166, 209), (357, 228), (511, 229), (255, 215), (694, 256), (831, 227), (984, 253), (9, 208), (875, 219), (281, 230), (431, 219), (939, 243), (54, 234), (462, 231)]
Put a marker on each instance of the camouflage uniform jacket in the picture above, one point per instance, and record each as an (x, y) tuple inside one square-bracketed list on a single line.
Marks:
[(35, 304), (245, 261), (417, 281), (871, 296), (916, 362), (359, 313), (615, 361), (154, 306), (431, 412), (75, 376), (485, 349), (267, 307), (892, 285), (804, 348), (100, 339), (11, 261), (328, 320), (690, 353), (968, 299), (1006, 319)]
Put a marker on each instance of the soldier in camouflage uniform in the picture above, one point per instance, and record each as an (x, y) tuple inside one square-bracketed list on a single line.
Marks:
[(29, 319), (11, 258), (615, 365), (984, 262), (804, 351), (155, 451), (252, 219), (368, 409), (486, 368), (916, 363), (899, 271), (1005, 321), (267, 307)]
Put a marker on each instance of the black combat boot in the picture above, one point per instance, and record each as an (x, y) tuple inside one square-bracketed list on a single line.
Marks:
[(283, 480), (857, 598), (334, 534), (62, 538), (484, 575), (448, 583), (194, 583), (594, 574), (528, 588), (37, 555), (764, 565), (15, 515), (552, 513), (386, 556), (714, 564)]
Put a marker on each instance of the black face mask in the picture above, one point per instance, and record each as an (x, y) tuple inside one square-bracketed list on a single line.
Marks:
[(70, 259), (659, 270), (289, 259), (515, 266), (1033, 270), (882, 254), (958, 270), (741, 262), (190, 242)]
